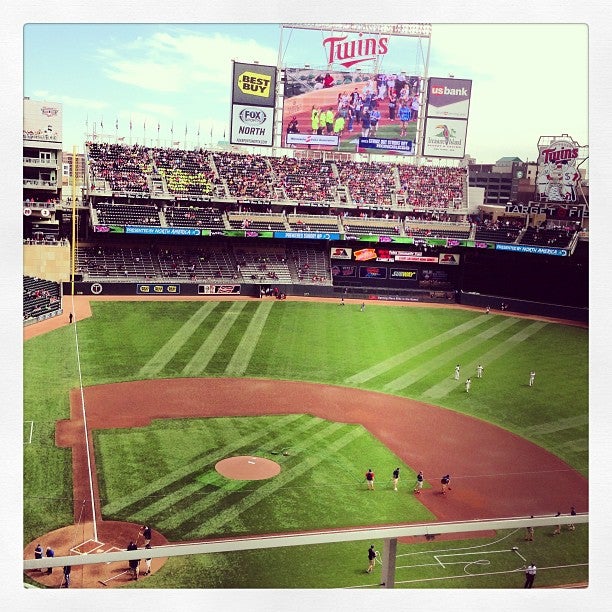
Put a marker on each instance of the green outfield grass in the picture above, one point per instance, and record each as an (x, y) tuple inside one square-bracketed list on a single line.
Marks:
[(409, 352)]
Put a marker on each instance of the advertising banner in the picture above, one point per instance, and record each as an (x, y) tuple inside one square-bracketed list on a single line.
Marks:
[(449, 259), (157, 289), (253, 99), (344, 271), (405, 275), (42, 121), (372, 272), (444, 138), (341, 253), (252, 125), (557, 173), (449, 98), (254, 84), (311, 139)]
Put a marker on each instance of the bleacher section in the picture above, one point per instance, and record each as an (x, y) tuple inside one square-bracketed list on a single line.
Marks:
[(40, 297), (186, 172), (123, 214), (555, 238), (194, 216), (369, 184), (172, 173)]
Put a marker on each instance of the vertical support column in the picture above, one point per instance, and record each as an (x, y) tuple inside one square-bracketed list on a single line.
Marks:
[(388, 563)]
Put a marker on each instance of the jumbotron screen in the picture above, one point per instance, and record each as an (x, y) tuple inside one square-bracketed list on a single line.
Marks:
[(353, 112)]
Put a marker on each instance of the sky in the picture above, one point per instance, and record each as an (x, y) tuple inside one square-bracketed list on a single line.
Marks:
[(178, 76)]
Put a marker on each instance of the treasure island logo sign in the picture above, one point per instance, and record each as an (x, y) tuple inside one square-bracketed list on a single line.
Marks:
[(347, 53)]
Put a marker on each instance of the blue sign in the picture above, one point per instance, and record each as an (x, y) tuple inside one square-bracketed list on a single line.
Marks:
[(387, 144), (309, 235), (525, 248), (166, 231)]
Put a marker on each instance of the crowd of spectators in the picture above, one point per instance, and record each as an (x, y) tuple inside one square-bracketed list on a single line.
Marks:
[(126, 168), (246, 176), (185, 172), (40, 297), (370, 184), (306, 179), (250, 176), (431, 186)]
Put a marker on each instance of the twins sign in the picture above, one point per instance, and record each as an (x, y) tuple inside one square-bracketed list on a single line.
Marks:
[(558, 175)]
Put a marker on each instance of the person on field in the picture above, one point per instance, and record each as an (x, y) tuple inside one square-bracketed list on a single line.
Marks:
[(371, 559), (370, 479), (531, 378), (457, 371), (571, 526), (444, 481), (38, 552), (147, 561), (396, 472), (418, 487), (134, 563), (146, 534), (530, 574), (468, 384), (50, 553)]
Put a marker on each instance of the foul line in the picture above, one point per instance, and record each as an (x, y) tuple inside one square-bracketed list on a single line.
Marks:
[(31, 431), (89, 473)]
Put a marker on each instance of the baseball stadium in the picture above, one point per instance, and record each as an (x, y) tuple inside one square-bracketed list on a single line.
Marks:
[(311, 357)]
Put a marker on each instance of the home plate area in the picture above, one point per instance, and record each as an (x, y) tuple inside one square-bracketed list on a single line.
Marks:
[(247, 468)]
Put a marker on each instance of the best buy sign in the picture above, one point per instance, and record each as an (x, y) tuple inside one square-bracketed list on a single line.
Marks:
[(254, 84)]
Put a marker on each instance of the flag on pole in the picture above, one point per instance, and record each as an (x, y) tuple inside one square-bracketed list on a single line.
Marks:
[(185, 129), (130, 124), (198, 130), (158, 127), (172, 128), (117, 123), (102, 123)]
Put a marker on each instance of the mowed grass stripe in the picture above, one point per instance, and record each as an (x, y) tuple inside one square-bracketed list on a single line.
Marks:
[(243, 353), (200, 508), (560, 425), (197, 364), (169, 498), (157, 363), (214, 524), (444, 387), (451, 354), (155, 488), (404, 356)]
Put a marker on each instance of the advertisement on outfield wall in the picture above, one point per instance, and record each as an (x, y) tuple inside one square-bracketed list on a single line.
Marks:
[(444, 137), (253, 99), (351, 111), (449, 98), (42, 121), (557, 175)]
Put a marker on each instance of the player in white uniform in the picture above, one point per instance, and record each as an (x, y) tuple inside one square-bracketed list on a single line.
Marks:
[(531, 378), (457, 369), (479, 370)]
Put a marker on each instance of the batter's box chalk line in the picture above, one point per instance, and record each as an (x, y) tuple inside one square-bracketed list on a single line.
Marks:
[(78, 549)]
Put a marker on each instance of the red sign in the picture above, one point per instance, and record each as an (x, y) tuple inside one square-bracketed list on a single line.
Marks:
[(350, 52)]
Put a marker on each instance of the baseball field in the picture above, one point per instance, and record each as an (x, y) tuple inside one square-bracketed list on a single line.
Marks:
[(324, 391)]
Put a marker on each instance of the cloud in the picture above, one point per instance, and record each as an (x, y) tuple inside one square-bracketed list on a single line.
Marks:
[(174, 62), (90, 104)]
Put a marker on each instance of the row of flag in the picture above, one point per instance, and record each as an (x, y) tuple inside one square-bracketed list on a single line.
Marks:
[(144, 127)]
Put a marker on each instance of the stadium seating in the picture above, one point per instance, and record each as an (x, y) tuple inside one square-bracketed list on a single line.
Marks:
[(40, 297)]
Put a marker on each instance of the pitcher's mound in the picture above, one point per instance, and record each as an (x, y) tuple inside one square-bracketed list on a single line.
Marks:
[(247, 468)]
